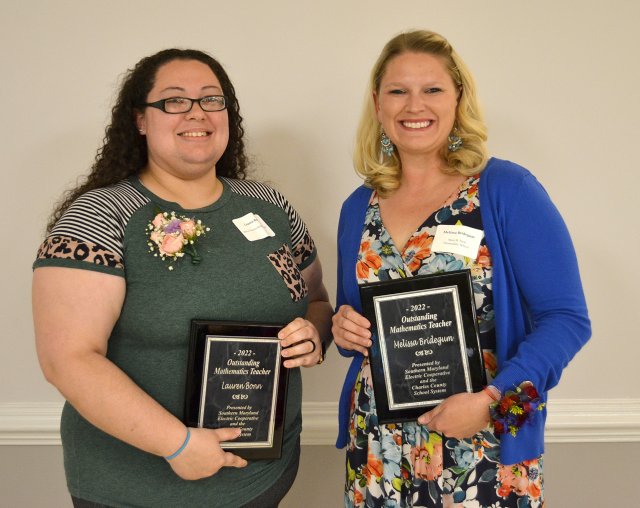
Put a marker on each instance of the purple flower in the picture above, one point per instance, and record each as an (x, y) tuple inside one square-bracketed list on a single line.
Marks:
[(172, 227)]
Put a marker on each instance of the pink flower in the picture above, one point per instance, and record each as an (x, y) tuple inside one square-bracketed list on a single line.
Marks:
[(158, 220), (427, 466), (188, 228), (513, 478), (171, 244), (520, 485), (172, 237), (484, 257)]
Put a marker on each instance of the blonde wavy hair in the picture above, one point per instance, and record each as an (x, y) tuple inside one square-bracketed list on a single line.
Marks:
[(383, 172)]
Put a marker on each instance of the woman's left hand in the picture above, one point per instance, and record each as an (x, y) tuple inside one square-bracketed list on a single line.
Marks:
[(301, 344), (460, 416)]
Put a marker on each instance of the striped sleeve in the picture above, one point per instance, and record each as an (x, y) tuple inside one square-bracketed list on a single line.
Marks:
[(92, 230)]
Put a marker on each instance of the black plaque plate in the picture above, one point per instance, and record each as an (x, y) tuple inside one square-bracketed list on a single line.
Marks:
[(235, 378), (425, 342)]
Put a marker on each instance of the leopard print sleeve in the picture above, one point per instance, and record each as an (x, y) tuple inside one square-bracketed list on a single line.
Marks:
[(90, 234), (304, 251)]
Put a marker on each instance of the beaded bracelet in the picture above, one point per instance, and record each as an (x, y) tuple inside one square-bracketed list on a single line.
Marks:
[(182, 447), (515, 408)]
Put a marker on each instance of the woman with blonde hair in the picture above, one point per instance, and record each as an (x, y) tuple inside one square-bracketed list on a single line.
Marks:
[(421, 151)]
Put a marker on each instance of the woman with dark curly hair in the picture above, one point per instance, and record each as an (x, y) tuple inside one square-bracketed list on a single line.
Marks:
[(124, 151), (147, 243)]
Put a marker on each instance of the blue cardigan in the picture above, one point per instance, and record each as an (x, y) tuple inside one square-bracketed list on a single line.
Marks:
[(541, 316)]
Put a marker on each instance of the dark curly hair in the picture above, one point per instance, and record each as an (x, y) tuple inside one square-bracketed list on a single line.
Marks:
[(124, 150)]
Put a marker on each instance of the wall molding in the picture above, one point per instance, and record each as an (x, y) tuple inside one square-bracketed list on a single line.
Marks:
[(568, 421)]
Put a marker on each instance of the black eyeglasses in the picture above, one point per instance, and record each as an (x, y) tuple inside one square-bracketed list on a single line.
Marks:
[(176, 105)]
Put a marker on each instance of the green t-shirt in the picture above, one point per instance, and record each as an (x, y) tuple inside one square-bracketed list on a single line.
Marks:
[(237, 279)]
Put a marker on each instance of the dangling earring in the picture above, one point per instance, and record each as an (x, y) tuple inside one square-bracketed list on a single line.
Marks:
[(455, 141), (386, 145)]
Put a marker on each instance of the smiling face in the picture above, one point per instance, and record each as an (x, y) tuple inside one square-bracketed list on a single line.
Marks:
[(416, 104), (185, 145)]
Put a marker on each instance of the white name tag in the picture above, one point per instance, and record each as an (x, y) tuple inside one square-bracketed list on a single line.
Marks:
[(461, 240), (253, 227)]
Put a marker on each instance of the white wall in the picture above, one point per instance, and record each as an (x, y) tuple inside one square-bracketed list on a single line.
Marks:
[(558, 81)]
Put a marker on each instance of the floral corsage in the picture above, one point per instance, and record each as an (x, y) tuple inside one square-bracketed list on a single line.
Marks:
[(515, 408), (172, 236)]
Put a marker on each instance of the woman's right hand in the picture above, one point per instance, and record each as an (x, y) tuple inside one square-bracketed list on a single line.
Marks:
[(351, 330), (203, 457), (74, 314)]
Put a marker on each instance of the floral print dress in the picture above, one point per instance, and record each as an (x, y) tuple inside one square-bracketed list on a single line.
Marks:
[(405, 465)]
